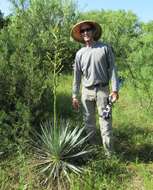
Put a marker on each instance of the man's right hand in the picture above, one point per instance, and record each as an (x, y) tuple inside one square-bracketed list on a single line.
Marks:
[(75, 103)]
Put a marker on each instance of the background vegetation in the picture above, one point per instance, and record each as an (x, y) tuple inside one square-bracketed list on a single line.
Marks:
[(28, 48)]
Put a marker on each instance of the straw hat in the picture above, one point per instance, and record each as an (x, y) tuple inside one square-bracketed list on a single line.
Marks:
[(75, 32)]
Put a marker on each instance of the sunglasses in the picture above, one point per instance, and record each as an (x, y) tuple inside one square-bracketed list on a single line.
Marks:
[(85, 30)]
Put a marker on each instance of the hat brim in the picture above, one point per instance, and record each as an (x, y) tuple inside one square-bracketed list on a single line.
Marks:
[(75, 32)]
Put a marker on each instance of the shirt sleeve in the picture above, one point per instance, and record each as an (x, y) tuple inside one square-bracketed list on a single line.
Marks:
[(77, 77), (112, 70)]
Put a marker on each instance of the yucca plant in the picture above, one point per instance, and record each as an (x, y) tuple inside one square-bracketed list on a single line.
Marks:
[(56, 150), (59, 143)]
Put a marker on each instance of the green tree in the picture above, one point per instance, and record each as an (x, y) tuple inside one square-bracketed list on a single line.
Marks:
[(4, 21), (25, 72), (141, 65), (1, 20)]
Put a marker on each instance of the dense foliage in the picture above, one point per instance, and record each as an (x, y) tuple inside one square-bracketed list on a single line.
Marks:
[(36, 37), (25, 69)]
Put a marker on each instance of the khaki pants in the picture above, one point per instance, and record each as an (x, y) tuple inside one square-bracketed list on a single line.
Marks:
[(92, 98)]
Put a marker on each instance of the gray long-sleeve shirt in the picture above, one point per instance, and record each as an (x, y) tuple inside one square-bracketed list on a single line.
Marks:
[(94, 65)]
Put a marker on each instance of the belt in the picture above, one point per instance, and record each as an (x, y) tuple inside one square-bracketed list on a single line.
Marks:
[(101, 85), (97, 85)]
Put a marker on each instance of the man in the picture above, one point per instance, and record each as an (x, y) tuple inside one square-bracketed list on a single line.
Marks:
[(94, 65)]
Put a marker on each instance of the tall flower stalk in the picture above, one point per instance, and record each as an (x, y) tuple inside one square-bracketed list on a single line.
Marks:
[(57, 66)]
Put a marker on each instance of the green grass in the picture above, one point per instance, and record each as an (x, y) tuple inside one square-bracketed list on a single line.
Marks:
[(130, 169)]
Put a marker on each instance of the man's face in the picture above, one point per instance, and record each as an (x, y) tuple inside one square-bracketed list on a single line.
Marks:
[(86, 32)]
